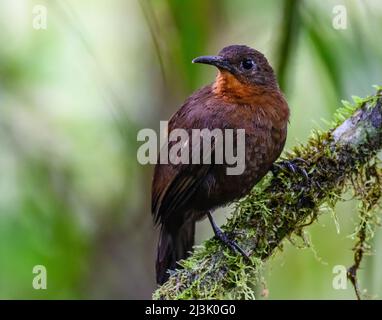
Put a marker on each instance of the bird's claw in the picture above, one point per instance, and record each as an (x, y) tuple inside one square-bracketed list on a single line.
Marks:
[(220, 235), (290, 165)]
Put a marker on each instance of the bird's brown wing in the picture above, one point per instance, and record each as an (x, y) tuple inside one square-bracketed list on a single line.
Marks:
[(174, 185)]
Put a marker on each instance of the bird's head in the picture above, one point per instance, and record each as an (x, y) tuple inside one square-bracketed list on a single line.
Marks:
[(243, 71)]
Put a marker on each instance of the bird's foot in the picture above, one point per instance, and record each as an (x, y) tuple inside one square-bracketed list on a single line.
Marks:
[(231, 244), (221, 236), (291, 166)]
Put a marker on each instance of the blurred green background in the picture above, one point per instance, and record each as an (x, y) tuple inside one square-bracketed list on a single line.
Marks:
[(72, 98)]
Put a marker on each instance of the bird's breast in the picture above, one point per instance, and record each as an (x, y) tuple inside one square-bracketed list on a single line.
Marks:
[(263, 145)]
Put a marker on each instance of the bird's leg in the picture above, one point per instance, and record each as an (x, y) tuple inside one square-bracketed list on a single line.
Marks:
[(219, 234), (291, 166)]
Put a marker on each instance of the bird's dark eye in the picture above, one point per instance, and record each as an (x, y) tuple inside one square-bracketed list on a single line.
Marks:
[(247, 64)]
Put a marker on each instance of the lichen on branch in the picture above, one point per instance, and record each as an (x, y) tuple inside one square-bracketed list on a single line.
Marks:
[(331, 163)]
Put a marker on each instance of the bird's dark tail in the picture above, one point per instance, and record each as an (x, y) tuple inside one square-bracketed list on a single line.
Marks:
[(172, 247)]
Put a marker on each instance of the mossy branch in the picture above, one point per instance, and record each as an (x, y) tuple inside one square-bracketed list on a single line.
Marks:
[(333, 162)]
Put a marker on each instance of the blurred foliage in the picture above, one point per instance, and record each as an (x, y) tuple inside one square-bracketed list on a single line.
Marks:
[(72, 98)]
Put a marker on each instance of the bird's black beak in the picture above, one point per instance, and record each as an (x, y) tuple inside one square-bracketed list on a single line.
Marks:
[(216, 61)]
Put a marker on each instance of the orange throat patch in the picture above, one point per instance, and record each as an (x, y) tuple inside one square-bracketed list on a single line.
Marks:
[(227, 87), (264, 99)]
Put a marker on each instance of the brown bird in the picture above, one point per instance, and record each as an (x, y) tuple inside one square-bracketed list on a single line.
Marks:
[(245, 95)]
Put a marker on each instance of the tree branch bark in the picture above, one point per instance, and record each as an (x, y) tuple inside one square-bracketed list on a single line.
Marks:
[(288, 200)]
